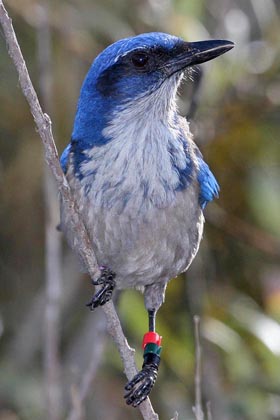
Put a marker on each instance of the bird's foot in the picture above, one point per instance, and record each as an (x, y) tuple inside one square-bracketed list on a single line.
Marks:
[(107, 280), (138, 389), (141, 385)]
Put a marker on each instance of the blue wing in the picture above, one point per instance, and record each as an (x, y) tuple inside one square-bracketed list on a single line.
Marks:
[(209, 187), (65, 158)]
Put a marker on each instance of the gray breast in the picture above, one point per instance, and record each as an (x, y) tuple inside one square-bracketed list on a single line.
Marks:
[(144, 247), (141, 224)]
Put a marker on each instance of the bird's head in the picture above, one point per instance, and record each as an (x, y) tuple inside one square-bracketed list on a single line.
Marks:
[(134, 68)]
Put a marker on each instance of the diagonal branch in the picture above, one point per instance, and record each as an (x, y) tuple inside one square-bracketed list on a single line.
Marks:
[(83, 246)]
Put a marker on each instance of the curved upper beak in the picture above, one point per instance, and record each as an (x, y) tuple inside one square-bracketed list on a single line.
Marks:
[(192, 53)]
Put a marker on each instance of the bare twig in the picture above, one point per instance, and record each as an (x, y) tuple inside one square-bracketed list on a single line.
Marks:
[(43, 123), (82, 245), (79, 394), (30, 324), (244, 231), (208, 410), (53, 269), (197, 409)]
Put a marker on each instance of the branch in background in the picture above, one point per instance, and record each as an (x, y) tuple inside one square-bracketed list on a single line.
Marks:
[(208, 411), (197, 409), (82, 246), (80, 393), (31, 321), (53, 252), (243, 231)]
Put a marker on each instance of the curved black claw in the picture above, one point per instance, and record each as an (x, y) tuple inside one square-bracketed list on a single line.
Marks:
[(105, 293), (141, 385)]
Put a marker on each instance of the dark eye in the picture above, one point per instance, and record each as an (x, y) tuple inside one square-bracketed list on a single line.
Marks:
[(140, 59)]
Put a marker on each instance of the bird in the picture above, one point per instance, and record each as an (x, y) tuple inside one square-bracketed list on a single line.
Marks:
[(139, 181)]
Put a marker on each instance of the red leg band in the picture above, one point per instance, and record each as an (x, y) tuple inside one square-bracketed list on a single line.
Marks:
[(151, 337)]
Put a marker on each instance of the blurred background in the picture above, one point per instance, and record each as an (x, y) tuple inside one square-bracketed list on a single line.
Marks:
[(51, 346)]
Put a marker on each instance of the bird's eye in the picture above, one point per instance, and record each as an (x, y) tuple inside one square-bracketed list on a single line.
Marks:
[(140, 59)]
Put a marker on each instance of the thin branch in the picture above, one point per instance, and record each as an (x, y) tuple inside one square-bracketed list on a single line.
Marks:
[(79, 394), (82, 246), (197, 409), (244, 231), (53, 267), (31, 321), (208, 411), (44, 127)]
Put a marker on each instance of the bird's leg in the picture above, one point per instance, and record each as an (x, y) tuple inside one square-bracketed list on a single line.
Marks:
[(107, 280), (138, 389)]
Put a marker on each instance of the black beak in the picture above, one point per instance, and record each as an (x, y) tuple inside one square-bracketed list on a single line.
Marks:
[(192, 53)]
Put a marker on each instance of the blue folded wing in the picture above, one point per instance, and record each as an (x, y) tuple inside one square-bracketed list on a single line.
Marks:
[(65, 158), (209, 187)]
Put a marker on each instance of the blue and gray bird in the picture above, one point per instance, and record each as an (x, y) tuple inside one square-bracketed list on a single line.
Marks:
[(139, 180)]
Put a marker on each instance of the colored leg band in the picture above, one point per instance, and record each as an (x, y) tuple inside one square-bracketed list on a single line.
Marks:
[(151, 337), (152, 349)]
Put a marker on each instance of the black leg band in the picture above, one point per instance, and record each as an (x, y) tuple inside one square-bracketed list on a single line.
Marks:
[(138, 389)]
